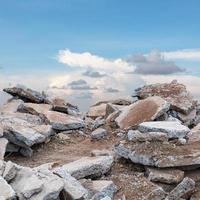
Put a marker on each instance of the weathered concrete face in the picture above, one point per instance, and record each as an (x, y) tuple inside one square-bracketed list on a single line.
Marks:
[(176, 94), (141, 111), (26, 94), (160, 154), (172, 129), (89, 166)]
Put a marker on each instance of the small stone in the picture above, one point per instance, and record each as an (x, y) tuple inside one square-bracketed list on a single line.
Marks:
[(187, 186), (98, 134), (169, 176)]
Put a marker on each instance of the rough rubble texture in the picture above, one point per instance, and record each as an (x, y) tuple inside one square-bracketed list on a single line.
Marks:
[(146, 149)]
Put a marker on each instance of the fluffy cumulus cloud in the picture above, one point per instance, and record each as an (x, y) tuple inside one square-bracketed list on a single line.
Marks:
[(86, 59), (153, 63), (185, 54)]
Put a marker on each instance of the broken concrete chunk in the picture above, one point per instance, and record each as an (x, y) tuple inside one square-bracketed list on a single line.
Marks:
[(61, 106), (98, 134), (187, 186), (101, 189), (63, 122), (142, 111), (11, 106), (1, 131), (34, 185), (3, 145), (137, 136), (72, 187), (169, 176), (26, 94), (10, 171), (6, 191), (172, 129), (160, 154), (176, 94), (97, 111), (2, 167), (89, 166), (99, 121)]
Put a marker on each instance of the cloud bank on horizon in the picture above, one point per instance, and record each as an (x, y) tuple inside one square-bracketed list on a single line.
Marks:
[(97, 78), (92, 78)]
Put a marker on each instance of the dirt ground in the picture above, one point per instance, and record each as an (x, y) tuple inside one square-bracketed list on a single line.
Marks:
[(62, 152)]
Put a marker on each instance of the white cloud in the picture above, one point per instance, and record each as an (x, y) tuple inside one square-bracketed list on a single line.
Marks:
[(153, 63), (86, 59), (185, 54)]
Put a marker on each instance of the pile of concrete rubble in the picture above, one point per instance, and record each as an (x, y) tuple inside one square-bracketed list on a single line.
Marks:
[(159, 131)]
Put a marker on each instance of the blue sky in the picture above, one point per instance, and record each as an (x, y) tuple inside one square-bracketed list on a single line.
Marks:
[(32, 32)]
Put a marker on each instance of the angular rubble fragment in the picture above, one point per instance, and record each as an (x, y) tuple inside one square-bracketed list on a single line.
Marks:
[(99, 121), (160, 154), (6, 191), (188, 119), (61, 106), (97, 111), (137, 136), (63, 122), (141, 111), (100, 189), (98, 134), (176, 94), (1, 131), (11, 106), (110, 108), (194, 134), (9, 117), (27, 94), (2, 167), (88, 166), (35, 109), (169, 176), (59, 121), (3, 146), (172, 129), (72, 187), (187, 186), (10, 171), (23, 133), (35, 185)]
